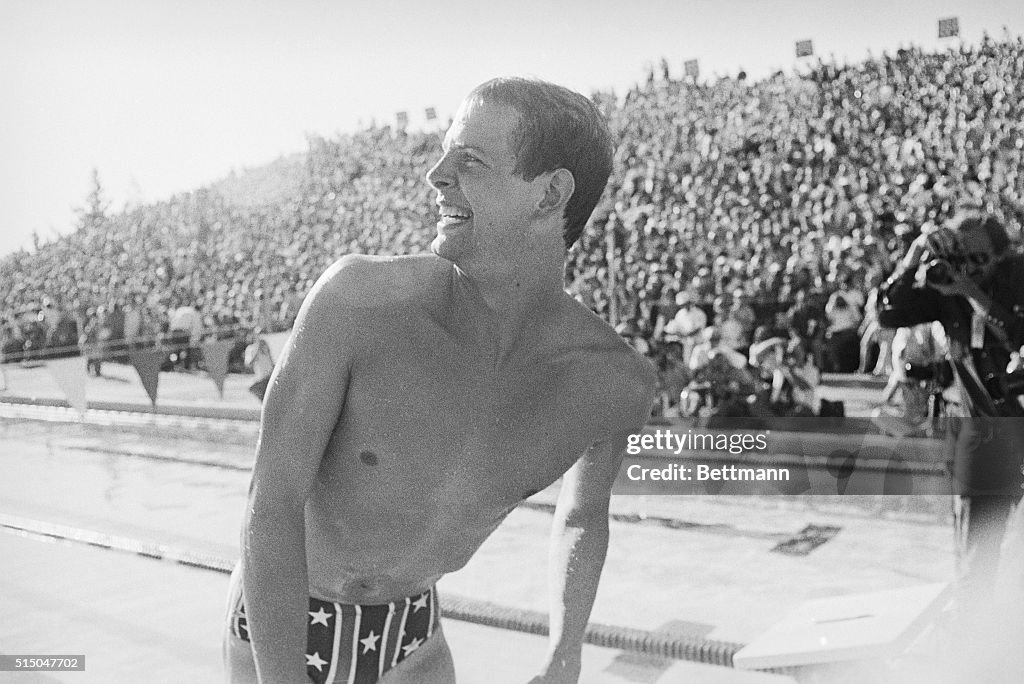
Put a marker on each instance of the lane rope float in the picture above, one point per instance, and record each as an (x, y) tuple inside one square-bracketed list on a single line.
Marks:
[(652, 643)]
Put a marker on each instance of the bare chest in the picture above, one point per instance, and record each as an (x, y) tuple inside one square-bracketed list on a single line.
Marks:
[(424, 414)]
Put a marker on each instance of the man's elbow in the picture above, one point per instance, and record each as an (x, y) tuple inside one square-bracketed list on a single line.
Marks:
[(273, 522)]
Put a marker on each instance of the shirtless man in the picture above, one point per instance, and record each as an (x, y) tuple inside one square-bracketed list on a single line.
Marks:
[(420, 399)]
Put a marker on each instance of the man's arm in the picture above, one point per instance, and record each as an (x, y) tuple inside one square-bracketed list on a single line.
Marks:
[(579, 543), (303, 402), (901, 304), (902, 301)]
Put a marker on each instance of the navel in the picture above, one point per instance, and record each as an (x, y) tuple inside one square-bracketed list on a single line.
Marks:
[(368, 457)]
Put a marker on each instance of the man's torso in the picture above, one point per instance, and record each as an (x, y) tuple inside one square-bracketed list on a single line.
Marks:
[(437, 443)]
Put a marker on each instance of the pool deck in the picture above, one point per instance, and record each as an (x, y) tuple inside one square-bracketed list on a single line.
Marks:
[(716, 572)]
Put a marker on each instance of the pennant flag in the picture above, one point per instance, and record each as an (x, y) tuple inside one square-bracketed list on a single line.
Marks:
[(276, 343), (259, 388), (147, 364), (402, 118), (804, 48), (691, 68), (71, 376), (215, 354), (431, 113), (949, 27)]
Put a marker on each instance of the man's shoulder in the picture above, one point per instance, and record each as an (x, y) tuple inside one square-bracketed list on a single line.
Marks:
[(365, 281), (606, 366), (1011, 269)]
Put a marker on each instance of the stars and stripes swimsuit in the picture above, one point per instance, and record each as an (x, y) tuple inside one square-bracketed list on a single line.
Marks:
[(355, 644)]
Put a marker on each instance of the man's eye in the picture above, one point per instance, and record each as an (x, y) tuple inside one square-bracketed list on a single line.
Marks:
[(471, 161)]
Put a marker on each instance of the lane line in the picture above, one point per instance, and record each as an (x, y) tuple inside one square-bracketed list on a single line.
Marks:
[(679, 647)]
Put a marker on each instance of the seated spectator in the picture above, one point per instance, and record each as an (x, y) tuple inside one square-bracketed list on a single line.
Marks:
[(841, 336), (802, 378), (673, 377)]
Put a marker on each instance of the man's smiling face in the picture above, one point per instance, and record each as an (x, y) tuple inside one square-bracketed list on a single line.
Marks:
[(485, 207)]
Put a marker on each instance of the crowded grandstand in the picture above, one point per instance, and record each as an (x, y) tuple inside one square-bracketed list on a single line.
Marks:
[(744, 229)]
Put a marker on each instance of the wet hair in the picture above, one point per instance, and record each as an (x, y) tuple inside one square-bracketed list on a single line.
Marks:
[(557, 129), (992, 227)]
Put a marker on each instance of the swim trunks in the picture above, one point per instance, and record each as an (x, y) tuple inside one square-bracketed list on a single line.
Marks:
[(357, 644)]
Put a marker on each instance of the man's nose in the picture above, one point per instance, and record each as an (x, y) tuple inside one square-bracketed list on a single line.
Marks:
[(440, 175)]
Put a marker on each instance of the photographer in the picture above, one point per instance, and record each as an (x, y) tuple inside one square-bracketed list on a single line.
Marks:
[(967, 277)]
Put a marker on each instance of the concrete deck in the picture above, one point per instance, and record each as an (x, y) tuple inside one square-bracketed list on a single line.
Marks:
[(702, 565)]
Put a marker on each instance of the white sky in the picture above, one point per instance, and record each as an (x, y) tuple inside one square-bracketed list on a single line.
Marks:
[(165, 96)]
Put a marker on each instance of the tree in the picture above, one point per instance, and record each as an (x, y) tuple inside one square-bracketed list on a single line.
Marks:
[(94, 215)]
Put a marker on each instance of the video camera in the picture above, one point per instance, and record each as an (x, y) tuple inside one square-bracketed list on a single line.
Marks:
[(941, 271)]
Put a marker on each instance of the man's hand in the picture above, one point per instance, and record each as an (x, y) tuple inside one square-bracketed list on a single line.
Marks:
[(961, 285), (560, 671), (942, 243)]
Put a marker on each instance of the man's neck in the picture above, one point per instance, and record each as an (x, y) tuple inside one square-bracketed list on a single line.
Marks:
[(497, 308)]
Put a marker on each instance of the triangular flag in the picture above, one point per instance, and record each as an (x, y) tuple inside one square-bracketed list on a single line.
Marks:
[(147, 364), (71, 375), (276, 343), (215, 354), (259, 388)]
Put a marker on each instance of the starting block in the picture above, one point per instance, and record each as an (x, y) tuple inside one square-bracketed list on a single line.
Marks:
[(845, 631)]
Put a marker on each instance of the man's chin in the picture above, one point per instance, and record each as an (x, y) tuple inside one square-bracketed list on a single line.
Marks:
[(442, 246)]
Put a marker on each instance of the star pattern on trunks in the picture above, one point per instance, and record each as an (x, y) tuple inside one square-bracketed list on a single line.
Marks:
[(411, 647), (421, 602), (316, 661), (320, 617), (370, 642)]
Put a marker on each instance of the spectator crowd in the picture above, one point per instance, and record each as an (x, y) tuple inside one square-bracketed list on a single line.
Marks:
[(745, 226)]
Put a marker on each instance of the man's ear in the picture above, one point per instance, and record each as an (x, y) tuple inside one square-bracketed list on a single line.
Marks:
[(558, 191)]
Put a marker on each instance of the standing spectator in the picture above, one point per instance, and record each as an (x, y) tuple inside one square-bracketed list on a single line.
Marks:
[(115, 324), (49, 317), (186, 327), (873, 334), (743, 313), (688, 322), (133, 322), (93, 340), (12, 342), (63, 341), (841, 335), (33, 331)]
